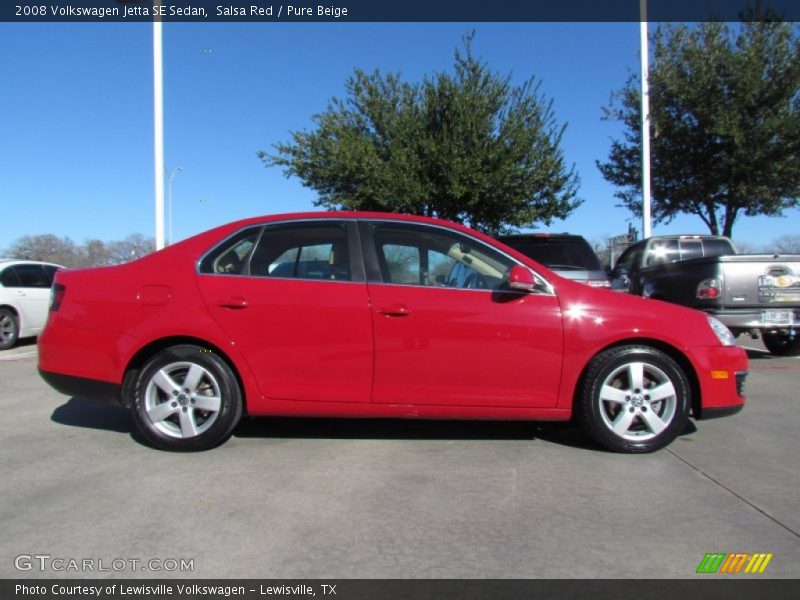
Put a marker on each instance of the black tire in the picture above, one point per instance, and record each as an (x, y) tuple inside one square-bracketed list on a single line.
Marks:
[(646, 419), (171, 418), (9, 329), (781, 343)]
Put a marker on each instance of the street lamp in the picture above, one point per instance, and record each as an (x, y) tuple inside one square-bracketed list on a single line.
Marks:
[(170, 177)]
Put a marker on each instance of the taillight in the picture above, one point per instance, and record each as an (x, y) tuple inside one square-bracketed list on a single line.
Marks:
[(709, 289), (56, 296)]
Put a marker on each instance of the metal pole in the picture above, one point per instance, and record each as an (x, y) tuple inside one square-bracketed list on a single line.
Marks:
[(169, 200), (646, 226), (158, 131)]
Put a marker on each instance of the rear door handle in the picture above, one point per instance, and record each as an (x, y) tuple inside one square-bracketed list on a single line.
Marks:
[(394, 310), (233, 302)]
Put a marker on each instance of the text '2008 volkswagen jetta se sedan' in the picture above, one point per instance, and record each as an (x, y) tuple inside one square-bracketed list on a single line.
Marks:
[(377, 315)]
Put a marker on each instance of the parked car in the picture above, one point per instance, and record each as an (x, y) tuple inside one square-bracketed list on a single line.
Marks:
[(570, 256), (377, 315), (24, 297), (757, 294)]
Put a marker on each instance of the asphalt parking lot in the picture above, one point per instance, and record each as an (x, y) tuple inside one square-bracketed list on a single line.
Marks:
[(397, 499)]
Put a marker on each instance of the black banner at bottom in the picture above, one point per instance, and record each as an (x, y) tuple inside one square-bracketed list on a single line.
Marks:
[(702, 588)]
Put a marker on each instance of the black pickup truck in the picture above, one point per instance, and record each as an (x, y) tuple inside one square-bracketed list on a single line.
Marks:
[(757, 294)]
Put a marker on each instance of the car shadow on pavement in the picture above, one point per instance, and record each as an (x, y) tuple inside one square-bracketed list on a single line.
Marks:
[(564, 434), (760, 355), (78, 412)]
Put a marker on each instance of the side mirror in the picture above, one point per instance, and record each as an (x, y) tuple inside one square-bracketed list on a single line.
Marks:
[(620, 279), (522, 279)]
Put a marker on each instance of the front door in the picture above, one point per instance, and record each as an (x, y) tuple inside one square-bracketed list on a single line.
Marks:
[(447, 332)]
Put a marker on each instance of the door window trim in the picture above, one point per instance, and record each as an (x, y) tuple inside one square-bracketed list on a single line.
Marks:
[(357, 272), (375, 276)]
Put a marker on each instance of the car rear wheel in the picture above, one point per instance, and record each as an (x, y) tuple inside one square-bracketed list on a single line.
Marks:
[(9, 329), (186, 398), (633, 399), (782, 343)]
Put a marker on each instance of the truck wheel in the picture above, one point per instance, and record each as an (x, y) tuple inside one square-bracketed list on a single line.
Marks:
[(781, 343), (633, 399)]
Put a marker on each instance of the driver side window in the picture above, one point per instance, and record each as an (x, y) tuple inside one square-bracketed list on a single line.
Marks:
[(432, 257)]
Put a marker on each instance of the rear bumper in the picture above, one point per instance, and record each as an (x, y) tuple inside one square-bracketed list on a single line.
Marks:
[(752, 318), (82, 387)]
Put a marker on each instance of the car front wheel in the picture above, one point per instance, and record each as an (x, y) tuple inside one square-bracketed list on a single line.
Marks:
[(186, 398), (633, 399)]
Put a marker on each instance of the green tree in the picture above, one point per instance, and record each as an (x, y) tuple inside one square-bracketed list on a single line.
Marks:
[(467, 146), (725, 114)]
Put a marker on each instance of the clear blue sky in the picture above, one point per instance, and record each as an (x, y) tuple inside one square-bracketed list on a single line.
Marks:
[(77, 138)]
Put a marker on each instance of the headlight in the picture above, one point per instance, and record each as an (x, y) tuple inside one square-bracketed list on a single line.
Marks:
[(723, 334)]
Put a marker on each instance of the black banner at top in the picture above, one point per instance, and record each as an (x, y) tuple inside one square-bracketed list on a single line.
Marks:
[(386, 10)]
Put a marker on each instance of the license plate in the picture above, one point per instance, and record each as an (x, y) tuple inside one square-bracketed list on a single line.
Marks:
[(777, 317)]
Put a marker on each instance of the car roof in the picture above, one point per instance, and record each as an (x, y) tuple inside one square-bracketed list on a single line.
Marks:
[(325, 215), (541, 236), (16, 261)]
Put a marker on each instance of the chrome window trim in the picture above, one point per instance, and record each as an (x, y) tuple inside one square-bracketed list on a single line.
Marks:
[(550, 291), (263, 227)]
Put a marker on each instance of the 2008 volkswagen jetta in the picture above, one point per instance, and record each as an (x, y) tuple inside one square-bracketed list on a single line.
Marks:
[(377, 315)]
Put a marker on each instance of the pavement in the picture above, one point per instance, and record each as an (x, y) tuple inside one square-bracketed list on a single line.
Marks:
[(294, 498)]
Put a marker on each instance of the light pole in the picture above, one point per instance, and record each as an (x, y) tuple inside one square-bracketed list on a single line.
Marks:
[(646, 219), (170, 177), (158, 130)]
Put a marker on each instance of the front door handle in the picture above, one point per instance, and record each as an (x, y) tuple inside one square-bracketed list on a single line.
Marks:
[(233, 302), (394, 310)]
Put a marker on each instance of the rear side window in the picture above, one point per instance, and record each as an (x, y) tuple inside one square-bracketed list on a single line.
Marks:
[(50, 271), (8, 277), (566, 254), (232, 255), (718, 247), (32, 276), (303, 251)]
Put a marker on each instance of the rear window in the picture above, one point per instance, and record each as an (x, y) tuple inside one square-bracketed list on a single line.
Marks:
[(718, 248), (568, 254)]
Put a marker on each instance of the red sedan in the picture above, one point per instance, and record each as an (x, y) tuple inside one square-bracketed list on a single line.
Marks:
[(377, 315)]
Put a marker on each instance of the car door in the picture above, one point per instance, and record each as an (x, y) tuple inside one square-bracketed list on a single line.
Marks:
[(293, 298), (446, 330), (32, 295)]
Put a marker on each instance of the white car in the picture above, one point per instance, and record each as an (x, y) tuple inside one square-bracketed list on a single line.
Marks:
[(24, 298)]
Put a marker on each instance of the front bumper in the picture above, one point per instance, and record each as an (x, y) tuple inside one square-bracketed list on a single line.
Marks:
[(721, 374)]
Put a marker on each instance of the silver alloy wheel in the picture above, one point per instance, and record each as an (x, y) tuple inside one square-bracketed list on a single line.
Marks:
[(637, 401), (8, 328), (182, 399)]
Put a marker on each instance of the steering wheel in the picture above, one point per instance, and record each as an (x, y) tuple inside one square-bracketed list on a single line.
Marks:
[(475, 282)]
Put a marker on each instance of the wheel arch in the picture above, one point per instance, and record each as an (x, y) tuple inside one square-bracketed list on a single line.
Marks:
[(15, 312), (138, 360), (674, 353)]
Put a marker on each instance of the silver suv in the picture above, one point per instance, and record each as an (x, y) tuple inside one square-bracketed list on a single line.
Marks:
[(570, 256)]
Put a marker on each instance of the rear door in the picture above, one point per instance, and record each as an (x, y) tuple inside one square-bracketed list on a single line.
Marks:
[(33, 294), (446, 330), (293, 298)]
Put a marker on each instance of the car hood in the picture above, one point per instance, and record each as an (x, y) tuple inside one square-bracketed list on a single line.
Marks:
[(601, 313)]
